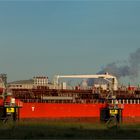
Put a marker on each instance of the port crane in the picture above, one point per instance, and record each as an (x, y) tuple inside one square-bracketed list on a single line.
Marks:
[(110, 78)]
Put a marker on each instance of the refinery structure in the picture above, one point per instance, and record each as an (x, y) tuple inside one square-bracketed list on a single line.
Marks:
[(40, 98)]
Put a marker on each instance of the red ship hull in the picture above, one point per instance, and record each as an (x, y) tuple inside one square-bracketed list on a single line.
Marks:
[(130, 113), (54, 110)]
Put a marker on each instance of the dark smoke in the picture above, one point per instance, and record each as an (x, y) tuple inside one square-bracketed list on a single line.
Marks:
[(134, 61), (116, 70), (130, 69)]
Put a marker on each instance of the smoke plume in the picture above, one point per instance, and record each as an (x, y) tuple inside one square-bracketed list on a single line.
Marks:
[(128, 68), (131, 67)]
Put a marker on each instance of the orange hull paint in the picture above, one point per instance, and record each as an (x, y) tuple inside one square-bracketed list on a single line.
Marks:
[(46, 110), (131, 110), (54, 110)]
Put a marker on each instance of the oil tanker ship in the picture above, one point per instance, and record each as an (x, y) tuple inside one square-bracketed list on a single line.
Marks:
[(39, 98)]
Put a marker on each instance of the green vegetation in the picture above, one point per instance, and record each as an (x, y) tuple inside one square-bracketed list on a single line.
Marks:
[(66, 130)]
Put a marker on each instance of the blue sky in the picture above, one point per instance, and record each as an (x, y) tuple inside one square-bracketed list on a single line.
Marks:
[(65, 37)]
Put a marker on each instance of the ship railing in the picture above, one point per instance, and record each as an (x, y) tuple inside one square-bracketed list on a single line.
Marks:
[(127, 101), (31, 100), (68, 100)]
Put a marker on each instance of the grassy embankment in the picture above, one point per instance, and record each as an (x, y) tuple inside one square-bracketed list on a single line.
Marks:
[(66, 130)]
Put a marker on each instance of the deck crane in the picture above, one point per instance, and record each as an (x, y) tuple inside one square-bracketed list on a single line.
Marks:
[(111, 114), (110, 78)]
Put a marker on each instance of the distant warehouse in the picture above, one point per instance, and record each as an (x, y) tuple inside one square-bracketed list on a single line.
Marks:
[(30, 83)]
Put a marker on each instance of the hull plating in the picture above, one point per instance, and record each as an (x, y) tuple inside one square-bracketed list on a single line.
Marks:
[(54, 110), (46, 110)]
